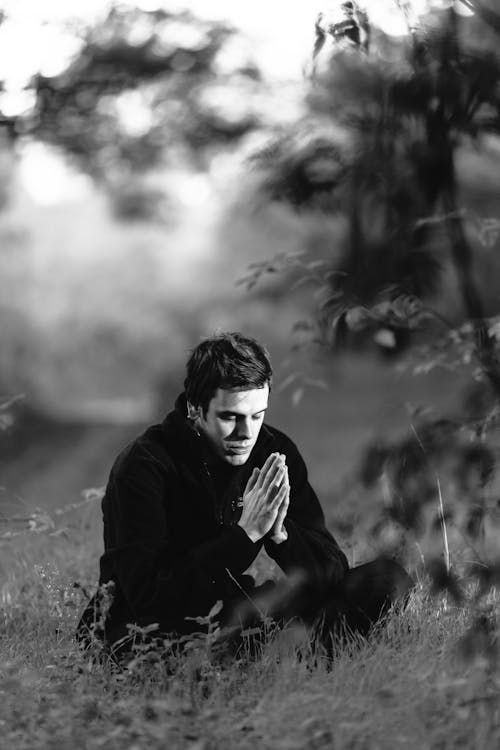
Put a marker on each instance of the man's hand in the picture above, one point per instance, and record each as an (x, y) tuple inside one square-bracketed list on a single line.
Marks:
[(278, 532), (264, 495)]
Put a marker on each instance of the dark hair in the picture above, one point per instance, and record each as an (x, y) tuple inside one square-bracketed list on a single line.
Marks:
[(226, 360)]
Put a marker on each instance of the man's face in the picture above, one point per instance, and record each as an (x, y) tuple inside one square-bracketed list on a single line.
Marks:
[(233, 421)]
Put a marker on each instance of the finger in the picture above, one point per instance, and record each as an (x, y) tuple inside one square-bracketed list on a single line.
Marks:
[(271, 462), (281, 513), (286, 501), (268, 463), (263, 471), (285, 504), (273, 484), (253, 480), (274, 475), (283, 479), (283, 509), (279, 498)]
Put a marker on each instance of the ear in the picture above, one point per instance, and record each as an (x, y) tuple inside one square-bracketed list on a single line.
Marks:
[(193, 412)]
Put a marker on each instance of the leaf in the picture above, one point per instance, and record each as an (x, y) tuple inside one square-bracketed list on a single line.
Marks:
[(386, 338), (91, 494), (494, 329), (383, 309), (7, 404), (40, 521), (316, 264), (356, 318), (215, 609), (6, 421), (302, 282), (150, 628)]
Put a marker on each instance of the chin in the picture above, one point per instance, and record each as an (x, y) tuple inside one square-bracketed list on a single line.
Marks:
[(237, 459)]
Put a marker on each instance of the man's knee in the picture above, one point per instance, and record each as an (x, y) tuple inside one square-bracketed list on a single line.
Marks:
[(367, 592), (382, 577)]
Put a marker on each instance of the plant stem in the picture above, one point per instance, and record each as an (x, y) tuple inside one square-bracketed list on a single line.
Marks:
[(443, 528)]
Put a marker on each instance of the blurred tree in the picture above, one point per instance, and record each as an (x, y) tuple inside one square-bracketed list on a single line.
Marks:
[(379, 151), (147, 88)]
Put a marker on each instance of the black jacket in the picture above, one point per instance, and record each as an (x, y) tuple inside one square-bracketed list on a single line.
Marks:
[(171, 533)]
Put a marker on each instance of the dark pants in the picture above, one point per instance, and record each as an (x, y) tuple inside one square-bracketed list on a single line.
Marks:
[(365, 595), (351, 607)]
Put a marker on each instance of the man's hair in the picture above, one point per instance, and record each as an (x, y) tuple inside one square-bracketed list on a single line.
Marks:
[(226, 360)]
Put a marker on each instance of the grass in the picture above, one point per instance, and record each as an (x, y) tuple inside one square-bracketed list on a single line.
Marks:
[(412, 685)]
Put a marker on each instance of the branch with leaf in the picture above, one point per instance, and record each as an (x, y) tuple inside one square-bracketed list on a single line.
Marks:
[(379, 152)]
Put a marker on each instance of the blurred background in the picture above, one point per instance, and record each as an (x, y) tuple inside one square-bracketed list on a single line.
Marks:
[(170, 169)]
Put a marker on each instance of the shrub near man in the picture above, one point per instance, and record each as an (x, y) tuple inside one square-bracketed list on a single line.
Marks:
[(190, 503)]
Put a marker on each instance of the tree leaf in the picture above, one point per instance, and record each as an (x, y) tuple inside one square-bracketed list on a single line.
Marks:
[(215, 609)]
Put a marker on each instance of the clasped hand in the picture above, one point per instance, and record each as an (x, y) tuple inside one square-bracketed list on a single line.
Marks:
[(266, 499)]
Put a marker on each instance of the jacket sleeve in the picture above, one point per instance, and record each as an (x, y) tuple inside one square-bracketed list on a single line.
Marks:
[(154, 581), (310, 549)]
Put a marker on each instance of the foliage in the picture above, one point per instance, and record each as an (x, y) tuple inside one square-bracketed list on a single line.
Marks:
[(378, 152), (147, 88)]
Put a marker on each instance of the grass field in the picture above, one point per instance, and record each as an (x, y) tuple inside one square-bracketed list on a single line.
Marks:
[(429, 679), (418, 683)]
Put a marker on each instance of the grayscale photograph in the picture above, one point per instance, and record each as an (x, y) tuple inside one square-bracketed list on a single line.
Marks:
[(250, 375)]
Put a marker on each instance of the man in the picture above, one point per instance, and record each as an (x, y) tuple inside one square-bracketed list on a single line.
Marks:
[(190, 503)]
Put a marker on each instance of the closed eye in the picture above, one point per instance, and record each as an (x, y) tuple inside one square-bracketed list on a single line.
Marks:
[(231, 416)]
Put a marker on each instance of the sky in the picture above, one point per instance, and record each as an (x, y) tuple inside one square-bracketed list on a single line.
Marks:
[(39, 36)]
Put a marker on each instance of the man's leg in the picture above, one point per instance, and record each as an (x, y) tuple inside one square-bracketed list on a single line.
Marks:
[(353, 605), (362, 598)]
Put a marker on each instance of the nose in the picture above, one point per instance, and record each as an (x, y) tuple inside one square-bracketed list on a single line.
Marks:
[(244, 429)]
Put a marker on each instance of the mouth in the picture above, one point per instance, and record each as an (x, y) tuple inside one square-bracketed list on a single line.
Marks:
[(238, 449)]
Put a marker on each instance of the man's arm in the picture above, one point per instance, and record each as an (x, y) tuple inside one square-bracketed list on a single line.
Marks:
[(309, 548), (155, 581)]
